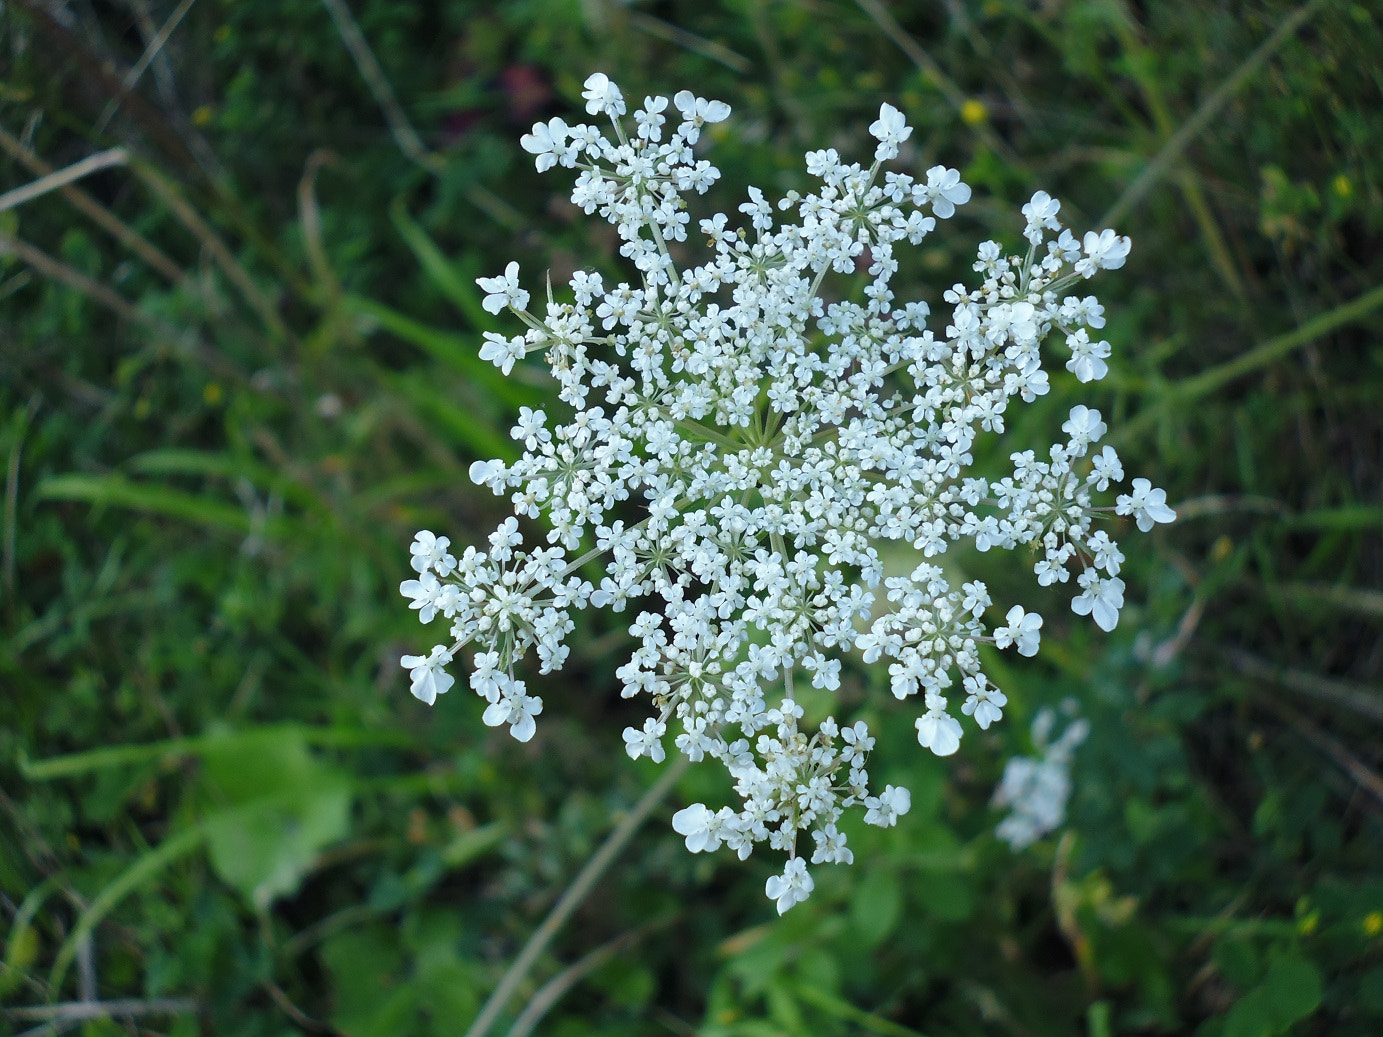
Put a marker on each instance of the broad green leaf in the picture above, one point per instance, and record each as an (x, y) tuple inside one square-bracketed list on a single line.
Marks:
[(876, 906), (1293, 989), (273, 808), (1250, 1016), (367, 978), (1237, 961)]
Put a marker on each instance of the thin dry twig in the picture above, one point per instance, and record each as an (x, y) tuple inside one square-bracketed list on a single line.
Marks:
[(554, 989), (690, 41), (84, 1010), (101, 295), (577, 892), (1201, 118), (150, 52), (1357, 698), (70, 276), (310, 216), (302, 1019), (63, 177), (98, 213), (380, 89), (955, 97), (1356, 768), (169, 194)]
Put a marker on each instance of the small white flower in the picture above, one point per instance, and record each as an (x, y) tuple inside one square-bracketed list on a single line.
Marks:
[(547, 143), (945, 191), (426, 676), (1103, 251), (430, 552), (481, 472), (758, 210), (890, 129), (602, 96), (646, 742), (1041, 215), (1087, 361), (1036, 788), (699, 826), (939, 732), (1085, 427), (503, 291), (516, 709), (887, 807), (792, 887), (1146, 504), (1023, 631), (426, 593), (696, 112), (1105, 468), (650, 118), (1102, 599)]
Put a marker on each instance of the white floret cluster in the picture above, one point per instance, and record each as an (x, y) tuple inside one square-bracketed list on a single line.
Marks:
[(736, 445)]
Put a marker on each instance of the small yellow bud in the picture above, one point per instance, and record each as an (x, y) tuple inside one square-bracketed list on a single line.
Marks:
[(973, 112)]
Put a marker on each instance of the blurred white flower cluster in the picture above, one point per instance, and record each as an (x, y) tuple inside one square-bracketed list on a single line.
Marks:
[(1035, 788), (735, 445)]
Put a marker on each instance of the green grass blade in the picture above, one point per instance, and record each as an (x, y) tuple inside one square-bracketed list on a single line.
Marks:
[(115, 491), (74, 764), (841, 1009), (454, 418), (459, 353), (457, 286), (144, 870)]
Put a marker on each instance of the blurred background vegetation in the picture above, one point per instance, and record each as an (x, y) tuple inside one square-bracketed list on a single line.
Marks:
[(238, 369)]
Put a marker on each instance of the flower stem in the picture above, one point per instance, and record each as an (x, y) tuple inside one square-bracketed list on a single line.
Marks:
[(577, 892)]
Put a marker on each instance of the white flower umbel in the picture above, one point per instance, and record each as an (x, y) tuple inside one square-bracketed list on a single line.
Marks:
[(735, 442)]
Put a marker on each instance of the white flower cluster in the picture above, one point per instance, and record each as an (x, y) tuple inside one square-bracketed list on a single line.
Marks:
[(1035, 788), (736, 445)]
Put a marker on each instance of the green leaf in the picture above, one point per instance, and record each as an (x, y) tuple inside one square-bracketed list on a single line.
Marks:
[(1237, 961), (366, 970), (1292, 988), (276, 807), (876, 906), (1250, 1016)]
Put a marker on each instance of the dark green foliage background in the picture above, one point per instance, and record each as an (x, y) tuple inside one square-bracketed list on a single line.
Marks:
[(214, 787)]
